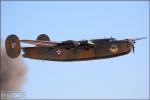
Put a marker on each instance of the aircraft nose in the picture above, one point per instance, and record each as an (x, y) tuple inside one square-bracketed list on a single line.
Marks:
[(131, 45)]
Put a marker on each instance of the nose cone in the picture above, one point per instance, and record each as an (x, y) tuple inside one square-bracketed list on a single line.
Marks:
[(129, 46)]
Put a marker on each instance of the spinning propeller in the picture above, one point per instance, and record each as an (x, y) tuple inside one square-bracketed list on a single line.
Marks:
[(133, 41)]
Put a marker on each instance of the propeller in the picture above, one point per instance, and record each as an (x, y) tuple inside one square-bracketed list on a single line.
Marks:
[(133, 48), (133, 41), (139, 38), (132, 44)]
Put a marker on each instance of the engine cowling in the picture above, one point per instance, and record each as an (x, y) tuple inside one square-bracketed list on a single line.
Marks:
[(70, 44), (86, 44)]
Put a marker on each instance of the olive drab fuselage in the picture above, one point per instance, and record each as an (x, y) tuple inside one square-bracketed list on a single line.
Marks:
[(104, 48)]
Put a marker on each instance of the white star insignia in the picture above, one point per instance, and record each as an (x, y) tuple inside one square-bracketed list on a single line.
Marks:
[(58, 52)]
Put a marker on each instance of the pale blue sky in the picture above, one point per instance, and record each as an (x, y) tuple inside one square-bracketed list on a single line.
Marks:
[(125, 77)]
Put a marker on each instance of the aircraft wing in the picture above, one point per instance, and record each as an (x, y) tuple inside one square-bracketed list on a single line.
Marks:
[(41, 43), (65, 44)]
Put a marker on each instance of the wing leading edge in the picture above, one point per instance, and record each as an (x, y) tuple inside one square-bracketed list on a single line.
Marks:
[(41, 43)]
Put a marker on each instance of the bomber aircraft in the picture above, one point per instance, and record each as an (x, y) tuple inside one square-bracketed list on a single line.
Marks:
[(70, 50)]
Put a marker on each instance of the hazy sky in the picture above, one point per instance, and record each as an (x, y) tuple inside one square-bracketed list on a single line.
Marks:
[(125, 77)]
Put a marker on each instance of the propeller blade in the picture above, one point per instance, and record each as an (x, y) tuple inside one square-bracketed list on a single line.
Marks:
[(139, 38), (133, 48), (133, 41)]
